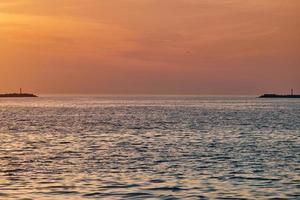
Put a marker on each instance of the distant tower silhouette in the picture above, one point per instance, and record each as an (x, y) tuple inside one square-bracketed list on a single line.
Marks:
[(292, 92), (20, 90)]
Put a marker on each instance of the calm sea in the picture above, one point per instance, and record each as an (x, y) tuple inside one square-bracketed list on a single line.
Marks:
[(149, 147)]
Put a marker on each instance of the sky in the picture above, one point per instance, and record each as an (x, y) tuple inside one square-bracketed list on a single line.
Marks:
[(204, 47)]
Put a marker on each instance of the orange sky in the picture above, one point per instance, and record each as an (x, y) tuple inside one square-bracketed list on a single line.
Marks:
[(150, 46)]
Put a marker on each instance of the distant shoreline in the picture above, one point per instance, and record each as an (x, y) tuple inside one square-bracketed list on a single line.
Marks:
[(17, 95), (280, 96)]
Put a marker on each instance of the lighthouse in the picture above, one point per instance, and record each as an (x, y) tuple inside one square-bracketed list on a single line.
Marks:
[(292, 92)]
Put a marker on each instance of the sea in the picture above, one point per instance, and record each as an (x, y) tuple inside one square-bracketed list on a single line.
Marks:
[(149, 147)]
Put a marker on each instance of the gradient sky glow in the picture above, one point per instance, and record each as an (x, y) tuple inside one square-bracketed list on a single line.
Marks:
[(150, 46)]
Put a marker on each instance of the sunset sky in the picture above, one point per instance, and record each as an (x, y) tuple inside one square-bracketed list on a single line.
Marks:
[(150, 46)]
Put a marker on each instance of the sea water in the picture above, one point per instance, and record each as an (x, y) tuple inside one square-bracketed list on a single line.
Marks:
[(149, 147)]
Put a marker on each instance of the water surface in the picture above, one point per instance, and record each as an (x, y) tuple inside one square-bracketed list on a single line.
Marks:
[(149, 147)]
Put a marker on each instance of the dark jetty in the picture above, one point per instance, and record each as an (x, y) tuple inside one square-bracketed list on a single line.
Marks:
[(17, 95), (21, 94), (292, 95), (279, 96)]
